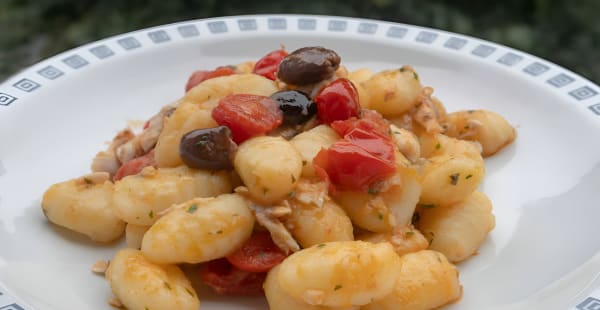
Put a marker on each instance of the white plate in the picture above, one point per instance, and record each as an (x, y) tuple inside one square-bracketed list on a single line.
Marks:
[(543, 254)]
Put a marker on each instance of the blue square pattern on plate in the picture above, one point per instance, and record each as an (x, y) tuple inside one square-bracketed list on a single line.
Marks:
[(50, 72), (6, 99), (589, 303), (26, 85), (75, 61), (583, 93), (11, 307), (536, 69), (129, 43), (396, 32), (159, 36), (367, 28), (217, 27), (483, 50), (247, 24), (510, 59), (455, 43), (560, 80), (101, 51), (307, 24), (337, 25), (426, 37), (277, 23), (595, 108), (187, 31)]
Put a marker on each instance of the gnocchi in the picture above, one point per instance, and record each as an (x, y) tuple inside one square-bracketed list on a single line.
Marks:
[(319, 186)]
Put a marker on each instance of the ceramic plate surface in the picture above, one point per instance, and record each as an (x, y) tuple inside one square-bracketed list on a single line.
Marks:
[(543, 253)]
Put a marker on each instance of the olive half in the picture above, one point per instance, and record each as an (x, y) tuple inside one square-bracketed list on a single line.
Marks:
[(208, 148), (296, 106), (308, 65)]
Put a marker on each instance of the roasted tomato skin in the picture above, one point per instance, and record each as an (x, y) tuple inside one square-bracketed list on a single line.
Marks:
[(247, 115), (202, 75), (268, 64), (337, 101), (258, 254), (226, 279)]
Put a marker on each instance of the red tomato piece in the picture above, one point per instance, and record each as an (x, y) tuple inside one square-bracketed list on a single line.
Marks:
[(337, 101), (202, 75), (349, 166), (226, 279), (380, 147), (370, 120), (267, 66), (258, 254), (247, 115), (135, 166)]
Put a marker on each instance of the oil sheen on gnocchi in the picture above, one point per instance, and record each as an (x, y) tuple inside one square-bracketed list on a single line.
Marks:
[(293, 177)]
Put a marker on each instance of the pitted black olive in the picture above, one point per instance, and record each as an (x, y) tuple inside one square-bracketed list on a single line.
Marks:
[(296, 106), (209, 148), (308, 65)]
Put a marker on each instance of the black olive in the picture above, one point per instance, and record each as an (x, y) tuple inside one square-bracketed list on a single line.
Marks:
[(296, 106), (209, 148), (308, 65)]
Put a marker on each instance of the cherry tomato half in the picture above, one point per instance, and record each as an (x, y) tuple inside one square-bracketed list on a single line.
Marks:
[(247, 115), (226, 279), (267, 66), (258, 254), (337, 101), (202, 75), (370, 120), (357, 162), (135, 166)]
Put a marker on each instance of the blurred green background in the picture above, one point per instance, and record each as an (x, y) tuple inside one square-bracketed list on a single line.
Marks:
[(562, 31)]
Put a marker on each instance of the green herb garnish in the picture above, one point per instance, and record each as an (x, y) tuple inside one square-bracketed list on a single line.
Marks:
[(416, 76), (337, 287), (454, 178), (151, 214), (192, 208), (468, 177)]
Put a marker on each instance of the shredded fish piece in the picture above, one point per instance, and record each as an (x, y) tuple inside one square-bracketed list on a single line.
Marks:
[(280, 235), (425, 113)]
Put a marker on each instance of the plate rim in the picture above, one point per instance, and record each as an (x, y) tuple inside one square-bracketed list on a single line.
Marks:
[(27, 81), (563, 81)]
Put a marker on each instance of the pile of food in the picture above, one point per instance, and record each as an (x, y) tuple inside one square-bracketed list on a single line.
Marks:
[(322, 187)]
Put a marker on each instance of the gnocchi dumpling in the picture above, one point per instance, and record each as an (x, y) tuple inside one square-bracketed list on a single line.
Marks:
[(404, 239), (140, 284), (84, 205), (199, 230), (139, 198), (393, 92), (458, 230), (488, 128), (310, 142), (279, 300), (340, 274), (270, 167), (426, 281)]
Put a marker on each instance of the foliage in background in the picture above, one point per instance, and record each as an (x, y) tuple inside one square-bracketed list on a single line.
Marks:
[(562, 31)]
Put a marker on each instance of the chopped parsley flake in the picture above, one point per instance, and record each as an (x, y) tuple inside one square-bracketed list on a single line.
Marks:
[(88, 181), (454, 178), (432, 236), (151, 214), (167, 285), (337, 287), (265, 190), (415, 218), (380, 216), (320, 245), (189, 292), (427, 206), (304, 162), (468, 177), (373, 191), (291, 194), (293, 178), (409, 234), (402, 69), (416, 76), (192, 208), (438, 146)]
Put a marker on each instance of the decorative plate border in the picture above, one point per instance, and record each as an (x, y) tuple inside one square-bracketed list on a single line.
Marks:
[(558, 79), (578, 89)]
